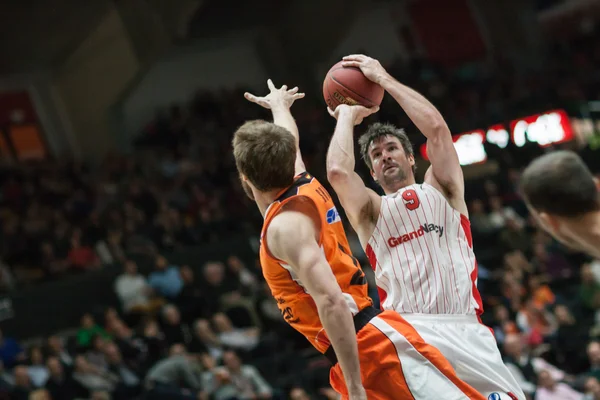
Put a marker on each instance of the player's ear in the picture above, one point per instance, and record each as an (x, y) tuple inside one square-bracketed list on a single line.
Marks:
[(411, 159), (548, 221)]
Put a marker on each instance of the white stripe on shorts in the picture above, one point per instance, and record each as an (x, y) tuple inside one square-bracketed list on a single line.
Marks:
[(424, 380)]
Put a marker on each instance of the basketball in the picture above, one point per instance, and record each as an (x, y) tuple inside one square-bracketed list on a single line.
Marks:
[(348, 85)]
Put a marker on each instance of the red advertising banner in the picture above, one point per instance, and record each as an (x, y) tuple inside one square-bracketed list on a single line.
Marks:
[(551, 127)]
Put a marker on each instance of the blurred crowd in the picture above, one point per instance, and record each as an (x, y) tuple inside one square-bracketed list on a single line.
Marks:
[(212, 331)]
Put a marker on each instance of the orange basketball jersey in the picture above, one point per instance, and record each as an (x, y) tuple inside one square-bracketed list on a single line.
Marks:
[(295, 304)]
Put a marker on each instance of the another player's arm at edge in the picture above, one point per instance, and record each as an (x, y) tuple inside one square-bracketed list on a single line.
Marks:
[(360, 203), (445, 172), (292, 236)]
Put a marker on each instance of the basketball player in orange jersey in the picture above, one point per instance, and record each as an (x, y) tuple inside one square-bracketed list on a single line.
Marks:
[(417, 237), (564, 197), (319, 287)]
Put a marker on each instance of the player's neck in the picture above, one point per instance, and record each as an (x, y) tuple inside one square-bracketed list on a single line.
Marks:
[(395, 186), (264, 200)]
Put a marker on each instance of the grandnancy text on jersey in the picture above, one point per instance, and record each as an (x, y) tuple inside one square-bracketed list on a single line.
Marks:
[(423, 229)]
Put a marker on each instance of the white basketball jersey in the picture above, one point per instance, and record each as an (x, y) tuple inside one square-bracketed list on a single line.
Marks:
[(422, 255)]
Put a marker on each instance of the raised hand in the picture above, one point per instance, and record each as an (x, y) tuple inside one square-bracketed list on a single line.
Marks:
[(356, 113), (370, 67), (281, 97)]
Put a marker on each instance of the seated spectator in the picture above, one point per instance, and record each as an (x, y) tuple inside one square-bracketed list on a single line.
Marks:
[(175, 331), (88, 329), (154, 341), (549, 389), (166, 279), (10, 351), (23, 386), (240, 339), (190, 298), (216, 381), (60, 384), (593, 352), (175, 377), (541, 293), (240, 273), (589, 290), (82, 257), (569, 341), (95, 355), (592, 389), (217, 290), (480, 221), (205, 339), (500, 214), (56, 349), (524, 367), (37, 370), (502, 325), (129, 384), (536, 322), (514, 237), (133, 289), (92, 378), (246, 378)]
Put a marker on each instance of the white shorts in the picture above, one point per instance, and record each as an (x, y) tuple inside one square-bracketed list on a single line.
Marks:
[(471, 349)]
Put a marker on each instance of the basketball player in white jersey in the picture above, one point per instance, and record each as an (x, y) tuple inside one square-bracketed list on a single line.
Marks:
[(564, 197), (417, 237)]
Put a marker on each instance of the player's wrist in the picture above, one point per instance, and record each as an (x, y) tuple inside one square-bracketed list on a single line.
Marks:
[(383, 79)]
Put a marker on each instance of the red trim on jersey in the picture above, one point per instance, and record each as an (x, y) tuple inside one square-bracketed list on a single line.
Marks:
[(373, 261), (466, 225)]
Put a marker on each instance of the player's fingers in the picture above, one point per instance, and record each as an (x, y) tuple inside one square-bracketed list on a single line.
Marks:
[(270, 84), (284, 88), (354, 57), (293, 90), (331, 112), (356, 64), (374, 109), (298, 96), (250, 97)]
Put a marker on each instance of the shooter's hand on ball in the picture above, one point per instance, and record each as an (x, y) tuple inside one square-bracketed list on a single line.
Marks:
[(277, 97), (354, 113), (370, 67)]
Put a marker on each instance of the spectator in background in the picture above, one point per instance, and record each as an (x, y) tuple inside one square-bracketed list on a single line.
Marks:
[(524, 367), (23, 386), (92, 378), (56, 349), (88, 329), (480, 221), (592, 389), (549, 389), (500, 214), (514, 237), (129, 384), (133, 289), (175, 331), (190, 298), (593, 352), (240, 339), (589, 290), (175, 377), (569, 341), (82, 257), (166, 279), (60, 384), (37, 370), (217, 290), (246, 378), (10, 351)]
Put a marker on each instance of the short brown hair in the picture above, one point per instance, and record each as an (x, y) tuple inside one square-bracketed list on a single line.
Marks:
[(379, 130), (560, 183), (266, 154)]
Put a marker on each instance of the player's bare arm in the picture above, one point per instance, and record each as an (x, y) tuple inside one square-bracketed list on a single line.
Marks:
[(279, 101), (446, 174), (360, 203), (292, 237)]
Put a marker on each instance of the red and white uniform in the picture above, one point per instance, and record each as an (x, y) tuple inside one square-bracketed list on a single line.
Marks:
[(422, 254)]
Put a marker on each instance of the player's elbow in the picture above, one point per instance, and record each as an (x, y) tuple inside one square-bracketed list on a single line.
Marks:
[(331, 303), (337, 174)]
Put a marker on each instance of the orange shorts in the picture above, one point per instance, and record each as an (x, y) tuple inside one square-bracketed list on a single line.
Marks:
[(397, 364)]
